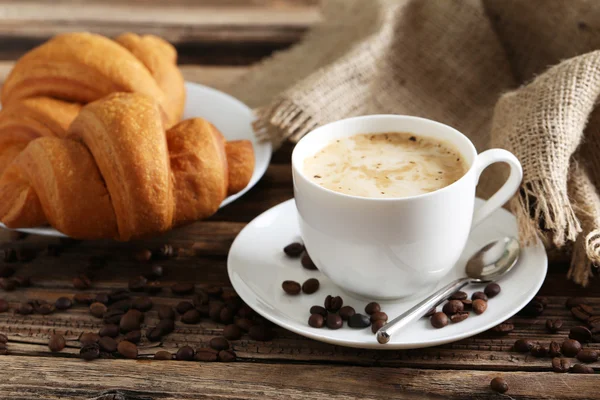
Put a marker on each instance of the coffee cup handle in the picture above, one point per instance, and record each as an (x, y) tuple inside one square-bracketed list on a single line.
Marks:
[(507, 190)]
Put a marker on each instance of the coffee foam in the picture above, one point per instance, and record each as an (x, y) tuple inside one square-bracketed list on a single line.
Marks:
[(385, 165)]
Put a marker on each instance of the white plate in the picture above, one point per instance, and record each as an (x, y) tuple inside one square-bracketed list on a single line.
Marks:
[(232, 117), (257, 266)]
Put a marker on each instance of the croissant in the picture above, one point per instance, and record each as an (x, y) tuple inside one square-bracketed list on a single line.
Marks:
[(116, 173)]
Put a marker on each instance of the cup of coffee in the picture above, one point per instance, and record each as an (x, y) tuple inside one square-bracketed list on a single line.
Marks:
[(386, 202)]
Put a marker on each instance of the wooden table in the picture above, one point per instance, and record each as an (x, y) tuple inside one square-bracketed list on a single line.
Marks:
[(219, 35)]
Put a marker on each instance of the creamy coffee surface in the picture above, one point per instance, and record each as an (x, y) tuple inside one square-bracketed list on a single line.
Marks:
[(385, 165)]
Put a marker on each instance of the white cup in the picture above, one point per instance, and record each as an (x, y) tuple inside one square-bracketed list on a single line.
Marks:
[(393, 247)]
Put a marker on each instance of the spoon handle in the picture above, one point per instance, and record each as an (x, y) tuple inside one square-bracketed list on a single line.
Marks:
[(385, 332)]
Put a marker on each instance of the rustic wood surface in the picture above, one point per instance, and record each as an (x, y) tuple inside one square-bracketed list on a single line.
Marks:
[(289, 366)]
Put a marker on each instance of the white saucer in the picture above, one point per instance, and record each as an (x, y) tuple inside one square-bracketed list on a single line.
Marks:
[(257, 266), (232, 117)]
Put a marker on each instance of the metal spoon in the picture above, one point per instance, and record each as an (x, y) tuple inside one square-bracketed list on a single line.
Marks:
[(491, 262)]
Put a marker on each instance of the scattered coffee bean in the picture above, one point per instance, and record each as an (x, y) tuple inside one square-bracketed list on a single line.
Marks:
[(582, 369), (8, 284), (214, 291), (206, 354), (25, 309), (479, 306), (184, 306), (3, 306), (201, 298), (533, 309), (89, 338), (133, 336), (204, 311), (142, 255), (45, 309), (154, 334), (539, 350), (26, 255), (219, 343), (191, 317), (459, 316), (163, 355), (310, 286), (467, 304), (308, 263), (82, 282), (185, 353), (318, 310), (165, 251), (458, 296), (503, 328), (377, 325), (6, 271), (182, 288), (214, 310), (143, 303), (127, 349), (580, 333), (570, 347), (166, 312), (333, 304), (97, 309), (226, 356), (3, 338), (83, 298), (153, 287), (110, 330), (118, 295), (554, 349), (245, 312), (586, 308), (379, 316), (107, 344), (261, 333), (430, 312), (244, 324), (542, 300), (130, 321), (113, 316), (579, 314), (372, 308), (479, 296), (137, 284), (122, 305), (561, 365), (346, 312), (156, 272), (499, 385), (492, 290), (226, 315), (22, 281), (294, 250), (587, 356), (103, 298), (594, 321), (90, 351), (232, 332), (334, 321), (291, 287), (316, 320), (575, 301), (553, 325), (439, 320), (452, 307), (56, 343), (359, 321)]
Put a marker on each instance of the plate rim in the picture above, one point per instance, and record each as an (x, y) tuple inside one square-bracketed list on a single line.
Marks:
[(242, 288)]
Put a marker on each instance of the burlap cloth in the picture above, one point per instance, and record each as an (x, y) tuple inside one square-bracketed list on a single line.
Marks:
[(517, 74)]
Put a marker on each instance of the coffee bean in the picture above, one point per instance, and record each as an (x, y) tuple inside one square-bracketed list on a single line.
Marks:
[(578, 313), (492, 290), (582, 369), (163, 355), (83, 298), (110, 330), (166, 312), (310, 286), (133, 336), (459, 316), (594, 320), (97, 309), (156, 272), (191, 317), (561, 365), (452, 307), (503, 328), (204, 311), (570, 347), (334, 321), (308, 263), (118, 295), (130, 321), (82, 282), (539, 351), (182, 288), (3, 306), (553, 325), (184, 306), (26, 255), (294, 250), (245, 312), (291, 287), (153, 287), (261, 333), (56, 343), (226, 315), (244, 324), (185, 353), (479, 296), (226, 356), (533, 309), (333, 304), (6, 272), (45, 309), (8, 284), (377, 325), (554, 349), (165, 251), (359, 321), (206, 354), (3, 338), (103, 298), (89, 338), (372, 308), (22, 281), (439, 320), (90, 351), (379, 316), (219, 343), (112, 316), (479, 306), (214, 310), (214, 291), (499, 385), (458, 296), (25, 309), (430, 312), (318, 310), (143, 303), (107, 344), (142, 255), (316, 320), (232, 332), (346, 312), (467, 304), (580, 333), (586, 308), (137, 284), (587, 355), (154, 334), (542, 300), (575, 301), (127, 349), (201, 298)]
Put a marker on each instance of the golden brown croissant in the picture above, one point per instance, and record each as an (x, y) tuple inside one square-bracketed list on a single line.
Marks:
[(117, 173)]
